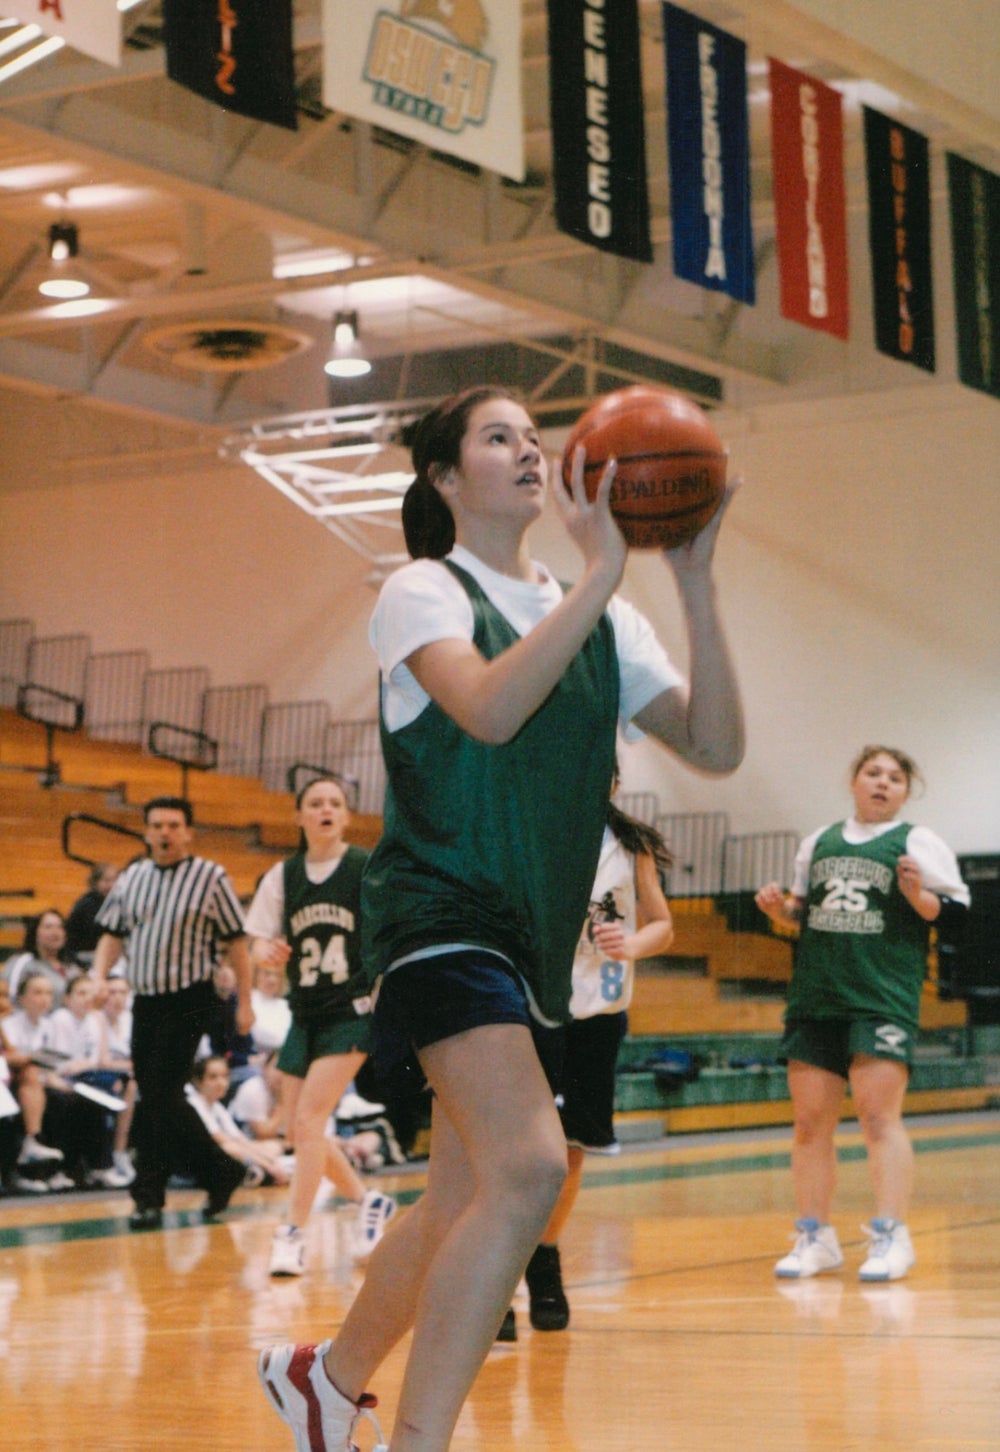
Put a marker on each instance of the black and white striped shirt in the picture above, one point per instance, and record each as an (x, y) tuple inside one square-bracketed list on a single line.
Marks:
[(173, 920)]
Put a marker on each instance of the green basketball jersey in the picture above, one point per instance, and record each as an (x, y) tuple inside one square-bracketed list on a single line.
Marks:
[(862, 949), (497, 845), (322, 923)]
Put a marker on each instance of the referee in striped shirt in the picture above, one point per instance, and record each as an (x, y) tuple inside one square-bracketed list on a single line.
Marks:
[(174, 915)]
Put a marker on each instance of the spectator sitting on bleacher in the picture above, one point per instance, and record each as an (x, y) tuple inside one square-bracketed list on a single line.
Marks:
[(272, 1013), (10, 1110), (43, 951), (117, 1013), (78, 1031), (222, 1037), (214, 1149), (256, 1104), (24, 1032), (82, 932)]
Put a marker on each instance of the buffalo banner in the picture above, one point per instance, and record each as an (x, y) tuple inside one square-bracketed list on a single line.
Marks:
[(237, 53), (974, 195), (598, 130), (93, 27), (709, 144), (807, 152), (899, 236), (446, 73)]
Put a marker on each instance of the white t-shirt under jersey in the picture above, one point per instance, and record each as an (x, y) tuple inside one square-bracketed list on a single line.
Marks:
[(423, 602)]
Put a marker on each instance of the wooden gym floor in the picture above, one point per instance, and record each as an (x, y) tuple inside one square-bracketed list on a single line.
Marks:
[(680, 1336)]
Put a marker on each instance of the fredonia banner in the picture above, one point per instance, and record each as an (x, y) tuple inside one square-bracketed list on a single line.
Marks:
[(708, 138), (975, 253), (237, 53), (598, 133), (444, 72), (899, 233), (807, 151), (93, 27)]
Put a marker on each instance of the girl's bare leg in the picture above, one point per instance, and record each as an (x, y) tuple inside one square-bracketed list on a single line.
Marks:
[(450, 1266), (878, 1087), (310, 1102), (816, 1099)]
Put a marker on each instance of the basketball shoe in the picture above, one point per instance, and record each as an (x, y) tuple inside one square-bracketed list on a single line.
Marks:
[(816, 1249), (288, 1252), (320, 1417), (890, 1254), (374, 1214), (548, 1308)]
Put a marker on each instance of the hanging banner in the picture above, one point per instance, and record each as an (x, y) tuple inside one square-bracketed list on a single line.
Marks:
[(807, 154), (444, 72), (899, 235), (237, 53), (708, 136), (974, 194), (93, 27), (598, 131)]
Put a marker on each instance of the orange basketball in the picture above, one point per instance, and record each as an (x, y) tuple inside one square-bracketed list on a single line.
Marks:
[(671, 463)]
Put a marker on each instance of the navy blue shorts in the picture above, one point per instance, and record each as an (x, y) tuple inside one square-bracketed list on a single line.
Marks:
[(430, 999)]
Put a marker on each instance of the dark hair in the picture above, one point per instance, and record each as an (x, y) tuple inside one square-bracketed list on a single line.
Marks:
[(330, 777), (903, 760), (97, 871), (639, 838), (428, 526), (31, 977), (30, 944), (169, 804), (200, 1066)]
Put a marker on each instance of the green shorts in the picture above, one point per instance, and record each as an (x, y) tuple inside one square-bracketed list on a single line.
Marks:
[(306, 1042), (832, 1043)]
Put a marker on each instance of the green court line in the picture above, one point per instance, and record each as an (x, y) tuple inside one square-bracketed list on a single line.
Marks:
[(14, 1237)]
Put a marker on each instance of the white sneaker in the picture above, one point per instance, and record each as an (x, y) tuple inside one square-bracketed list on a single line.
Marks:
[(816, 1249), (28, 1186), (124, 1166), (891, 1252), (110, 1179), (374, 1214), (353, 1106), (59, 1181), (288, 1252), (298, 1388), (33, 1152)]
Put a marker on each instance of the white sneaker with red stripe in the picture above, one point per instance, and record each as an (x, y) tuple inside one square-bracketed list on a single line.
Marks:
[(298, 1388)]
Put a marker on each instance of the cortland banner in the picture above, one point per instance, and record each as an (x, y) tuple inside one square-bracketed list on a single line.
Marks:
[(975, 255), (899, 235), (598, 132), (237, 53), (445, 72), (807, 150), (93, 27), (708, 137)]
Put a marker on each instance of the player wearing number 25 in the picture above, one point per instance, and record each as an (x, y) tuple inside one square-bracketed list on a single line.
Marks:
[(864, 893), (306, 919)]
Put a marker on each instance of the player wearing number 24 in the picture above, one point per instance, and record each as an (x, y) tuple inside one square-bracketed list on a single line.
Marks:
[(863, 895)]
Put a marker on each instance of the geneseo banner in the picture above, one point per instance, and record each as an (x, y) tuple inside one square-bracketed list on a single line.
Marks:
[(708, 138), (807, 149), (598, 133), (237, 53), (93, 27), (899, 233), (445, 72), (975, 254)]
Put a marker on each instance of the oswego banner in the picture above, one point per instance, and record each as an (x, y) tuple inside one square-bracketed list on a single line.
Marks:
[(709, 144), (598, 131), (807, 151), (93, 27), (237, 53), (899, 234), (444, 72), (975, 254)]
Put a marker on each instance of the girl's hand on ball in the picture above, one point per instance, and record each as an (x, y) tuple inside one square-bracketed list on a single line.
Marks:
[(697, 553)]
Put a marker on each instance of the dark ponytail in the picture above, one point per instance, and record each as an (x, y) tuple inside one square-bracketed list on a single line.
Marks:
[(639, 838), (428, 524)]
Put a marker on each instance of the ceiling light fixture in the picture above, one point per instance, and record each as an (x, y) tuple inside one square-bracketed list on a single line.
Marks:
[(64, 244), (347, 359)]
